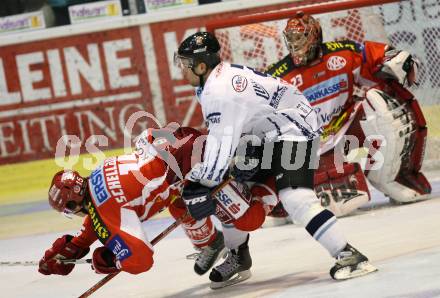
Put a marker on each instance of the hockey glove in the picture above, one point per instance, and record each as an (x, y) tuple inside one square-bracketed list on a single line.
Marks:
[(61, 249), (104, 261), (198, 200)]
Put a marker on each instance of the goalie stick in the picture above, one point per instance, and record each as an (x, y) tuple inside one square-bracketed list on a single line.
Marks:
[(159, 237)]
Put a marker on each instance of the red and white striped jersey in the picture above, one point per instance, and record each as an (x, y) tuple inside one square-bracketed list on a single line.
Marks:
[(125, 191)]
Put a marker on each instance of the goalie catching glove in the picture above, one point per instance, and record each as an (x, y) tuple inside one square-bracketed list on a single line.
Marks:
[(62, 249), (400, 66)]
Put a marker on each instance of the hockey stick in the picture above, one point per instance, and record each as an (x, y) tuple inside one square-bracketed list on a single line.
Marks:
[(36, 263), (159, 237)]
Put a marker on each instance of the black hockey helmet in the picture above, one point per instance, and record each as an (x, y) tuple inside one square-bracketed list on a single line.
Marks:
[(199, 47)]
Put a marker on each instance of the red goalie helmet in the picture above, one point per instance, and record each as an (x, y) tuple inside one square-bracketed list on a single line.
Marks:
[(303, 35), (66, 192)]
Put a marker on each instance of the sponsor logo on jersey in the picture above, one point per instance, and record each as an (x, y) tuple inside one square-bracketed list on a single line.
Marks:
[(337, 46), (213, 118), (227, 202), (119, 248), (98, 225), (335, 125), (239, 83), (326, 117), (278, 71), (326, 88), (336, 63), (259, 90), (99, 190), (277, 95)]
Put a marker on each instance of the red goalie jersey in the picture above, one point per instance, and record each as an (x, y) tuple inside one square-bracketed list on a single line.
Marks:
[(328, 83)]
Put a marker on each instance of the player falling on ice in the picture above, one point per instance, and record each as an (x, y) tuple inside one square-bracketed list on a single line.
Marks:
[(237, 101), (117, 195), (116, 198), (327, 74)]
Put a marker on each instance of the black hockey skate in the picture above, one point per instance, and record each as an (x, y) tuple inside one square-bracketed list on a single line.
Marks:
[(235, 269), (209, 255), (351, 263)]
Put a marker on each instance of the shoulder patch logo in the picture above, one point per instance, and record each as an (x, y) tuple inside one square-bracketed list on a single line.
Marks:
[(336, 63), (239, 83)]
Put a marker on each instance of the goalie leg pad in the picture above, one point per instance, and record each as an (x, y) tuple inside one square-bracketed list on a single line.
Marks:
[(342, 193), (396, 127)]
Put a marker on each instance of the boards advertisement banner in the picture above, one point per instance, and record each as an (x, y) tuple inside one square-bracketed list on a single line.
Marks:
[(22, 22), (90, 12), (88, 84), (77, 92), (154, 5)]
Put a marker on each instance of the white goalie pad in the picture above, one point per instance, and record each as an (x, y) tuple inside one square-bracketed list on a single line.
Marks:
[(343, 201), (392, 124)]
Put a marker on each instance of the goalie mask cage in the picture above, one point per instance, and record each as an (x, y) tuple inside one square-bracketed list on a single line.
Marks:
[(257, 41)]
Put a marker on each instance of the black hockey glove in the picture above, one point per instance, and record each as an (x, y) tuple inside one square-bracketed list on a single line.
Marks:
[(198, 200), (251, 160)]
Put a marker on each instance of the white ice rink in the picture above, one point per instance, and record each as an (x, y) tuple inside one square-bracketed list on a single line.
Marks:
[(402, 241)]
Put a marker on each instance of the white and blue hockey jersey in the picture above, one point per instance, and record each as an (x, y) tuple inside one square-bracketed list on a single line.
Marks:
[(237, 101)]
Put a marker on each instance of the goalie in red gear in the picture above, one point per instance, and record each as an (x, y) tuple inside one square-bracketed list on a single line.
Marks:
[(387, 120), (115, 199)]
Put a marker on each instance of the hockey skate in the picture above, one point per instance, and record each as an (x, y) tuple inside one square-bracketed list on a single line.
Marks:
[(209, 255), (235, 269), (350, 263)]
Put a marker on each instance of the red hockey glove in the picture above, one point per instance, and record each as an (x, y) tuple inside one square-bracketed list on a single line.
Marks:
[(104, 261), (61, 249)]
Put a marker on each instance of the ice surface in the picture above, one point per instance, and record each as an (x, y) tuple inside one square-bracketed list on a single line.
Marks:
[(402, 241)]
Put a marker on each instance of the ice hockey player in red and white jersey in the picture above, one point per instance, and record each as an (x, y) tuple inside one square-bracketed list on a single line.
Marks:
[(116, 198), (127, 190), (387, 120)]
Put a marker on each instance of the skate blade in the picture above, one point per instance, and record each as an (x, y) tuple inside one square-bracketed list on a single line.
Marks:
[(362, 269), (239, 277)]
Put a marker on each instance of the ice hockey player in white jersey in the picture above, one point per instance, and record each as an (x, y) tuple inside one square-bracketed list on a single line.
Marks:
[(240, 106)]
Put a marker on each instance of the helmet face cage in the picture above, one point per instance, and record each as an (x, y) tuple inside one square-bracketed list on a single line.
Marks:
[(302, 36)]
